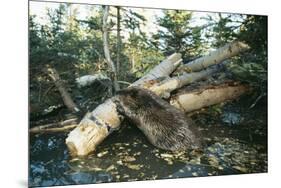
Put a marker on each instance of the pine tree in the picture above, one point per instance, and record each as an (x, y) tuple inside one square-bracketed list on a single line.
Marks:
[(177, 34)]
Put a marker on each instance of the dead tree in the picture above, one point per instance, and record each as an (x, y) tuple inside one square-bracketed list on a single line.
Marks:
[(53, 74), (105, 36)]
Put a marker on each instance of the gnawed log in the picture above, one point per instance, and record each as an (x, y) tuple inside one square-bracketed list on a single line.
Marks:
[(215, 57), (53, 74), (93, 129), (208, 95)]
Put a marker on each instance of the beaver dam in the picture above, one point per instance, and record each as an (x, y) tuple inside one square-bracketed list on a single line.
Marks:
[(235, 143)]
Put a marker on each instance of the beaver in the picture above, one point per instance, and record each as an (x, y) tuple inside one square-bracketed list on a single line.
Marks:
[(165, 126)]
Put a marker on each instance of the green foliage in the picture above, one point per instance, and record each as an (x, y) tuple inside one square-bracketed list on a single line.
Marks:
[(75, 47), (222, 28), (249, 71), (252, 66), (142, 59), (141, 56), (177, 35), (61, 43), (254, 33), (132, 20), (226, 28)]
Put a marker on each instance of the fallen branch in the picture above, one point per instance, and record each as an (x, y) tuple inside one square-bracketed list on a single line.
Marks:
[(53, 74), (165, 87), (65, 128), (54, 126)]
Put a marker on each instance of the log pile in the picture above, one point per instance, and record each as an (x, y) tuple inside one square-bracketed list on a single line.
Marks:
[(90, 132)]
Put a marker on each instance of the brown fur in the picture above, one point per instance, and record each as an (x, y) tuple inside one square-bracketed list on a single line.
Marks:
[(165, 126)]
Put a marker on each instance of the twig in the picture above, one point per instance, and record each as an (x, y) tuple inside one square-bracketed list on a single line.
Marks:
[(54, 130), (257, 100), (54, 126), (124, 82)]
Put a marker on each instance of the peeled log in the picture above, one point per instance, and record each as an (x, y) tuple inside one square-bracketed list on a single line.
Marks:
[(93, 129), (197, 99), (165, 68), (164, 88), (215, 57)]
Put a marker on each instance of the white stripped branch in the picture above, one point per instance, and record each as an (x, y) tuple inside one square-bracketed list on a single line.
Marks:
[(215, 57)]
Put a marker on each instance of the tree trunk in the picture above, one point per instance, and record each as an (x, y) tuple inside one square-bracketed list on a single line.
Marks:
[(164, 69), (106, 48), (118, 41), (93, 129), (208, 95), (53, 74), (215, 57), (133, 63)]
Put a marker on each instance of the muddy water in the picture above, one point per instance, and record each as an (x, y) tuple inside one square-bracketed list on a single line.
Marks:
[(235, 142)]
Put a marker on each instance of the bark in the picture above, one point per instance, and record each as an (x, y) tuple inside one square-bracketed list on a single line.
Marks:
[(106, 48), (215, 57), (208, 95), (53, 74)]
